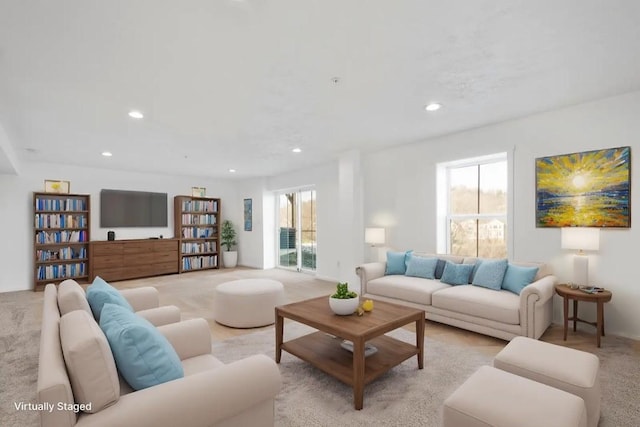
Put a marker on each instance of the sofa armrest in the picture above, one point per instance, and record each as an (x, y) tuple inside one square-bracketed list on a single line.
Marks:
[(533, 298), (161, 315), (190, 338), (141, 298), (369, 271), (202, 399)]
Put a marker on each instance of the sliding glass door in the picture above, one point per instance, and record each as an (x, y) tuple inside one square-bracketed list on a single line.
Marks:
[(297, 230)]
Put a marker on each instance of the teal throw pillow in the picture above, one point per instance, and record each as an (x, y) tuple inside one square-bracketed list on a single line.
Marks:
[(490, 273), (143, 355), (397, 262), (421, 267), (516, 278), (440, 268), (100, 293), (456, 274)]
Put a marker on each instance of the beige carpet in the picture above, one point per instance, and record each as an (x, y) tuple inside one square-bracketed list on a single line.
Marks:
[(405, 396)]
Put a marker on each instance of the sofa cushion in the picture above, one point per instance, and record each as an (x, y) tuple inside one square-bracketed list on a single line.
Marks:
[(500, 306), (143, 355), (100, 293), (424, 267), (516, 278), (71, 297), (456, 274), (90, 364), (397, 262), (406, 288), (490, 273)]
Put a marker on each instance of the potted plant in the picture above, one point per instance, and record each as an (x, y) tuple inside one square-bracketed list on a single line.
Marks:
[(228, 240), (344, 302)]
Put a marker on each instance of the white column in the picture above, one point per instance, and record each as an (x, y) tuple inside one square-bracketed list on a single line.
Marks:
[(350, 217)]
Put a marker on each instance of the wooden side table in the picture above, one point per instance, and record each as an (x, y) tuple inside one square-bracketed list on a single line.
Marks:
[(577, 295)]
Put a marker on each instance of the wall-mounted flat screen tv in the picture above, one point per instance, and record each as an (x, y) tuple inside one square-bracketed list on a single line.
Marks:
[(119, 208)]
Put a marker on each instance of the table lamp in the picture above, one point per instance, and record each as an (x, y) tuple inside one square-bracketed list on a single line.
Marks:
[(374, 236), (582, 239)]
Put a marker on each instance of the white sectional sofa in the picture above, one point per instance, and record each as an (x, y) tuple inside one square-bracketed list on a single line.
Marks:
[(499, 313)]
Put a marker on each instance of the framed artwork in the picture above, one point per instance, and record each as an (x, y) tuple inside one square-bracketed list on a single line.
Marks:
[(248, 214), (198, 192), (57, 186), (587, 189)]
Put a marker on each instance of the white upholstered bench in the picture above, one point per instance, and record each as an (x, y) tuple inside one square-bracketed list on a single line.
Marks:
[(247, 303), (495, 398), (567, 369)]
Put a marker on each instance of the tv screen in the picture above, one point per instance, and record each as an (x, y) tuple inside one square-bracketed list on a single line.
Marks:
[(119, 208)]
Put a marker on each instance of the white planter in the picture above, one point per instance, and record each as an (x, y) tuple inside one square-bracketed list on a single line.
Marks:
[(344, 307), (229, 259)]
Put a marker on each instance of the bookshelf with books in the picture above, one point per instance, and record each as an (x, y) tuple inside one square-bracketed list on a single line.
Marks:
[(61, 238), (197, 225)]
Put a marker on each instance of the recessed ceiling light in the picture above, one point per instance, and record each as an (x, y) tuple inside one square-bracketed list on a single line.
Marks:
[(232, 171), (136, 114), (434, 106), (297, 150), (107, 154)]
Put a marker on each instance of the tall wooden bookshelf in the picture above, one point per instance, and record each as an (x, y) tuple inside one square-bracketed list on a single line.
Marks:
[(197, 225), (61, 238)]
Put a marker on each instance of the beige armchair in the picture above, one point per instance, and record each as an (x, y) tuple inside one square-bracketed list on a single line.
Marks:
[(210, 393)]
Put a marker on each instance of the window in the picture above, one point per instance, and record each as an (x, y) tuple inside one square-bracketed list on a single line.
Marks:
[(297, 230), (475, 199)]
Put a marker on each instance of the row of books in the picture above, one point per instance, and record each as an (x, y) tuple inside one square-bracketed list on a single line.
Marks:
[(63, 236), (200, 205), (61, 204), (61, 271), (198, 247), (198, 262), (199, 219), (198, 232), (61, 254), (60, 221)]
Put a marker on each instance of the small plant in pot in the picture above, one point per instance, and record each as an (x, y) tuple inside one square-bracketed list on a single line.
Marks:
[(228, 240), (344, 302)]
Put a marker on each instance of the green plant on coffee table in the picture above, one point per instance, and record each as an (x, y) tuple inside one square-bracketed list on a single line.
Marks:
[(343, 292)]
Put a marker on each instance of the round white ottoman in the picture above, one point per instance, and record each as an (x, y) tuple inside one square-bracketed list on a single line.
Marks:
[(247, 303)]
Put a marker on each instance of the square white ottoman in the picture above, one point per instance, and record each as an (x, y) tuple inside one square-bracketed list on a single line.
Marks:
[(567, 369), (495, 398)]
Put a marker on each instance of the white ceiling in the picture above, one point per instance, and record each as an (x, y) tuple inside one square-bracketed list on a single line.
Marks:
[(238, 84)]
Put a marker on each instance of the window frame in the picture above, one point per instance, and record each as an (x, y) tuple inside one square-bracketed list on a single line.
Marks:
[(445, 217)]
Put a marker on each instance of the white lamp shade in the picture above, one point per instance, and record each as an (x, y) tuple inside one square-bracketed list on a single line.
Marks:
[(374, 235), (580, 238)]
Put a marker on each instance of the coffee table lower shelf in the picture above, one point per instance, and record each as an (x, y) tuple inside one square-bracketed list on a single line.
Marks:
[(324, 352)]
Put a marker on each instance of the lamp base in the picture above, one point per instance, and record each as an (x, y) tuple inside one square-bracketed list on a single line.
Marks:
[(581, 270)]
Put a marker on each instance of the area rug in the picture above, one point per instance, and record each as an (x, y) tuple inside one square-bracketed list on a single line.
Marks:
[(406, 396)]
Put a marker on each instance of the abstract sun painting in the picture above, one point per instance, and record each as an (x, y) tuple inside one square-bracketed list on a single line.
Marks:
[(588, 189)]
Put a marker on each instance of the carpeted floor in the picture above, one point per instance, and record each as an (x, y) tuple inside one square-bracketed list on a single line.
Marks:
[(405, 396)]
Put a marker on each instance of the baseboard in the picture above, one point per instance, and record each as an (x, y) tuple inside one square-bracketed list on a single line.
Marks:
[(326, 278)]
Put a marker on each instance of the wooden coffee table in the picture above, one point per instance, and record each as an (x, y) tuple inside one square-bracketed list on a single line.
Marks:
[(322, 348)]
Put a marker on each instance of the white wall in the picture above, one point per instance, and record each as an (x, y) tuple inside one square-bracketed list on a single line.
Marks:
[(16, 217), (400, 191), (250, 243)]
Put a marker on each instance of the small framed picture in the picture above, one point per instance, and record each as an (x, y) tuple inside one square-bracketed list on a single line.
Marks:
[(248, 214), (198, 192), (57, 186)]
